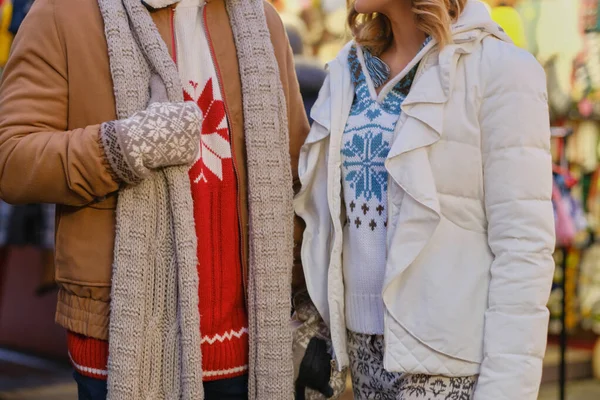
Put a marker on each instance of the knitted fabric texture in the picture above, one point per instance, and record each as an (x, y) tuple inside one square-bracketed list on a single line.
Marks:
[(154, 327), (88, 355), (165, 134), (367, 140), (270, 204), (154, 324), (214, 180)]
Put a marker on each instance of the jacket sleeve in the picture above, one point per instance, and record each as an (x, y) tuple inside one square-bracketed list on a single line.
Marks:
[(40, 160), (517, 174)]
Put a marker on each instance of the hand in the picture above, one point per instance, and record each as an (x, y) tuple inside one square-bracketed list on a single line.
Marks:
[(163, 135), (315, 370), (311, 351)]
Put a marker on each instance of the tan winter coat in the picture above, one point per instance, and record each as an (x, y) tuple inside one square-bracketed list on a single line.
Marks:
[(55, 92)]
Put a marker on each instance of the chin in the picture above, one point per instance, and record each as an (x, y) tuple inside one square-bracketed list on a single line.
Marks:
[(372, 6)]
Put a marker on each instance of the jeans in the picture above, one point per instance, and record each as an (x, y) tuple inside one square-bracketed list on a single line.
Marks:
[(226, 389), (90, 388)]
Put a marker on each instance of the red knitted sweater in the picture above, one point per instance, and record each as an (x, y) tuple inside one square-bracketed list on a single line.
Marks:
[(222, 308), (223, 315)]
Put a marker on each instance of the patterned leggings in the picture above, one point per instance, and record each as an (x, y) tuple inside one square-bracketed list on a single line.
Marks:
[(371, 382)]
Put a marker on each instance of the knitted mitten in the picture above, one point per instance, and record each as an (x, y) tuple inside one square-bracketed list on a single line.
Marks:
[(163, 135), (158, 91)]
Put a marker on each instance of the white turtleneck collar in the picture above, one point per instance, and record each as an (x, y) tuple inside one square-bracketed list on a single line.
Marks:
[(156, 4)]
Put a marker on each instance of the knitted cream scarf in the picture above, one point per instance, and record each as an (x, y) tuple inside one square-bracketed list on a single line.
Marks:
[(154, 322)]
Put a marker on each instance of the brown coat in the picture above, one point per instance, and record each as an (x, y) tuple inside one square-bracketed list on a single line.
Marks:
[(55, 91)]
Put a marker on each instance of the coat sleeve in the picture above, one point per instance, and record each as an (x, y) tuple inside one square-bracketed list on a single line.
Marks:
[(40, 160), (517, 184)]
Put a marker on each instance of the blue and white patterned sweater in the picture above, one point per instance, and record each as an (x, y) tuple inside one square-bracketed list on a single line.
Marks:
[(366, 143)]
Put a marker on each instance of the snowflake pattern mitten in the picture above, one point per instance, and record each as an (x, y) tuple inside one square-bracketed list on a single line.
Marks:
[(163, 135)]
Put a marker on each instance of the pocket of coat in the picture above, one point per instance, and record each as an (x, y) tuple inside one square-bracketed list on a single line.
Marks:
[(447, 289), (84, 245)]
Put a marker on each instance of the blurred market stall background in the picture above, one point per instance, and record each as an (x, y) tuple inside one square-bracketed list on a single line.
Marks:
[(564, 35)]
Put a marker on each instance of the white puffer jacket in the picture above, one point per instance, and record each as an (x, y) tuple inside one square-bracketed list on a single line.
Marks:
[(471, 225)]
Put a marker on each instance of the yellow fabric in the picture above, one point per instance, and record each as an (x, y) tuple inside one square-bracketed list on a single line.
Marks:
[(510, 20), (6, 37)]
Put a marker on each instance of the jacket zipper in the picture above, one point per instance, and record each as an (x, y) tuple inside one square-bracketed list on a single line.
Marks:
[(235, 169), (173, 38)]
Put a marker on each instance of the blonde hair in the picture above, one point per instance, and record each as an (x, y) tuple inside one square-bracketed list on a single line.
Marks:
[(434, 17)]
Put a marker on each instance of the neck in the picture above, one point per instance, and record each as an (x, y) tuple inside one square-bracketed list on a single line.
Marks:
[(407, 37)]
